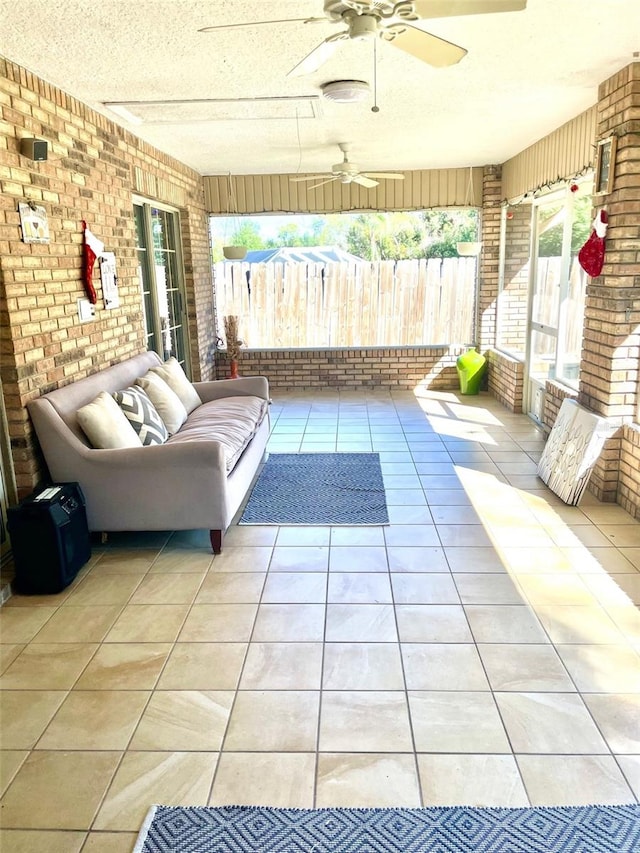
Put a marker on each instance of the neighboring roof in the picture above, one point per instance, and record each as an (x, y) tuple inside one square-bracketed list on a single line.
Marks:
[(300, 254)]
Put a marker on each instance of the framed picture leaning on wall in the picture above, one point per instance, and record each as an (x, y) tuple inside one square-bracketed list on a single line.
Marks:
[(605, 165)]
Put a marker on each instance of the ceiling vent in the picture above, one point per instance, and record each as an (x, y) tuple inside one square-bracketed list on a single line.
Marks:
[(217, 109), (346, 91)]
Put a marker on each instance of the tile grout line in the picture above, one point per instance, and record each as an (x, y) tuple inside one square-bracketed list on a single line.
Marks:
[(125, 751), (240, 674), (316, 773)]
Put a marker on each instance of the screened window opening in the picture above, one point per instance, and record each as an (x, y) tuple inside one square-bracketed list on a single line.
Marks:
[(356, 280)]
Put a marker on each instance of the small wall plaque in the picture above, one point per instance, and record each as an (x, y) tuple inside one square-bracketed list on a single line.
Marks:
[(34, 223), (605, 165), (109, 280)]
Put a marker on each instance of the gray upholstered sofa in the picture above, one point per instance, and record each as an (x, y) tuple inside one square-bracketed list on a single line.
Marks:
[(192, 481)]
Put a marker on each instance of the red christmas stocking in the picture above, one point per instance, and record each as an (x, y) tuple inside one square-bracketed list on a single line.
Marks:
[(591, 255), (92, 248)]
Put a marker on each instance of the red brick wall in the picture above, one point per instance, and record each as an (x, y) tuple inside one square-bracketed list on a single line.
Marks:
[(92, 171), (629, 479), (489, 258), (388, 367), (506, 379), (512, 301), (554, 395), (611, 344)]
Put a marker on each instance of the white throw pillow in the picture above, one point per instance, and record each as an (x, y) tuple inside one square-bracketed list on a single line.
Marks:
[(173, 374), (105, 425), (166, 401)]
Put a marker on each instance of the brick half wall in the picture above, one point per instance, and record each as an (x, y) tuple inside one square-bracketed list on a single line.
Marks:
[(370, 367), (629, 482), (506, 379)]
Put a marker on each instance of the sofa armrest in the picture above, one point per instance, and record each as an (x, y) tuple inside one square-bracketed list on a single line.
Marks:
[(181, 456), (166, 486), (142, 473), (255, 386)]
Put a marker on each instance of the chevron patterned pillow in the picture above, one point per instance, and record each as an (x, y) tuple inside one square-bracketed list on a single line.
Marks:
[(142, 415)]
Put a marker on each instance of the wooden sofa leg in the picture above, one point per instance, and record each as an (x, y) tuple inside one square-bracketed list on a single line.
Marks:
[(216, 540)]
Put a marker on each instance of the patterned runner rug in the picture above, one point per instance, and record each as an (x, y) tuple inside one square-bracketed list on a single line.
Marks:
[(318, 488), (245, 829)]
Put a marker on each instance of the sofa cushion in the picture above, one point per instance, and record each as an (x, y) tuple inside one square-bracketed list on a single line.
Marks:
[(173, 374), (166, 401), (142, 415), (105, 425), (232, 421)]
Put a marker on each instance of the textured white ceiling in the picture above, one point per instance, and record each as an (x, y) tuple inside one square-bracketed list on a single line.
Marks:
[(525, 74)]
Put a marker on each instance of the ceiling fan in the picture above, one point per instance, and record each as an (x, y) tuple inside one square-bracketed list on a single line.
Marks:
[(348, 173), (391, 21)]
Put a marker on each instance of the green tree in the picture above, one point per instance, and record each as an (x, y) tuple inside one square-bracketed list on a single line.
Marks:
[(288, 235), (374, 235), (227, 231), (248, 235), (408, 234), (582, 222), (446, 228), (385, 236), (552, 226), (324, 231)]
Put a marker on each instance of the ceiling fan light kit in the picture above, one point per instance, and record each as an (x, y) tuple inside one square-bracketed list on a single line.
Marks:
[(345, 91)]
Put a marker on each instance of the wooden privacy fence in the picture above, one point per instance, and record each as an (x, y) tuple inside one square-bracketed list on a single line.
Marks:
[(384, 303)]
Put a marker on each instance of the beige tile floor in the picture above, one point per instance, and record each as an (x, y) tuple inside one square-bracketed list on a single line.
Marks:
[(482, 649)]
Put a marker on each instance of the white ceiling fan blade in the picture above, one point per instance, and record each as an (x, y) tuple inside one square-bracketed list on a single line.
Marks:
[(364, 181), (388, 176), (309, 178), (322, 183), (261, 23), (429, 48), (457, 8), (318, 56)]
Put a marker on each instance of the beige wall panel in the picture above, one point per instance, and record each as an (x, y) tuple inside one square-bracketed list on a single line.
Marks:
[(277, 193), (562, 154)]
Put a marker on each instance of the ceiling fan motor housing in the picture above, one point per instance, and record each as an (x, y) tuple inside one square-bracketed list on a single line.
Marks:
[(345, 171), (335, 9)]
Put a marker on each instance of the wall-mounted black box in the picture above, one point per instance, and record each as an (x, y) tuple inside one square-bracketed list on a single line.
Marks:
[(49, 538), (34, 149)]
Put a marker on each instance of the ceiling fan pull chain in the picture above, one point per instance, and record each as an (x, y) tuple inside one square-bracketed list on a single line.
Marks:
[(375, 108)]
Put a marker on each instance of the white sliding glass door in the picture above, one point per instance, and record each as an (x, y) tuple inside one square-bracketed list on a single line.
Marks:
[(161, 276)]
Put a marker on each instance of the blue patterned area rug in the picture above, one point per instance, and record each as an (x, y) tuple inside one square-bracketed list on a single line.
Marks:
[(460, 829), (318, 488)]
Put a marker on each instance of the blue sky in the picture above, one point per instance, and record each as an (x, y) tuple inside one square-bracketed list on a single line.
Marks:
[(269, 225)]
